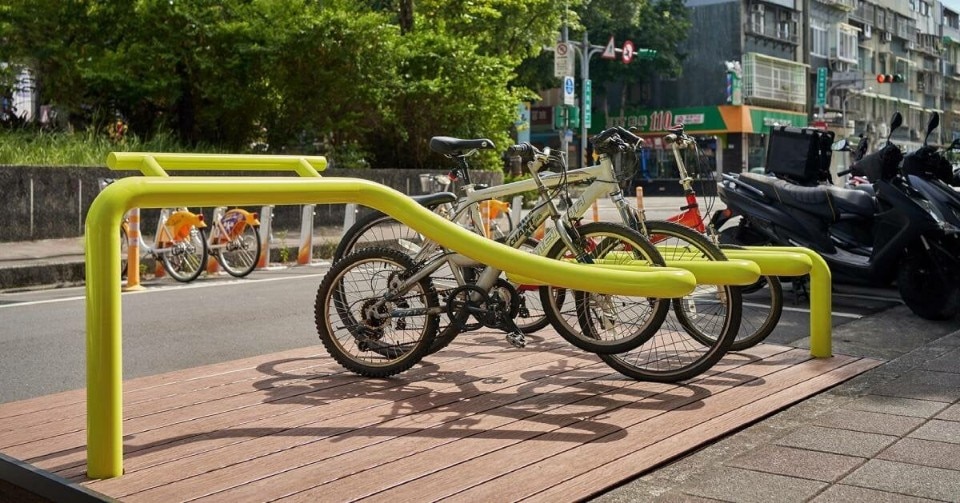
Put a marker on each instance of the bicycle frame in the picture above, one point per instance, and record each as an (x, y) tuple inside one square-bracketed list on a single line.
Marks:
[(604, 184), (229, 224)]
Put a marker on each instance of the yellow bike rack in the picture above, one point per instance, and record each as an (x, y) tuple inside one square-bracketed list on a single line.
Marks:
[(798, 261), (103, 313), (158, 163)]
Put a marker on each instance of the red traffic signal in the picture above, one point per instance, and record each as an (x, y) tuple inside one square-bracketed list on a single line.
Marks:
[(888, 78)]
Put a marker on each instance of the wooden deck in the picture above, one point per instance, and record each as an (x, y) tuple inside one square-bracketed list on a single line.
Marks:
[(479, 421)]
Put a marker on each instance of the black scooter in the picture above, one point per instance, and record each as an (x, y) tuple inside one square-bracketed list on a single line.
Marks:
[(902, 234)]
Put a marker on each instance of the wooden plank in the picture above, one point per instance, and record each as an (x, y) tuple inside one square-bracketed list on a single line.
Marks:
[(396, 416), (344, 415), (636, 462), (191, 437), (679, 428), (599, 418)]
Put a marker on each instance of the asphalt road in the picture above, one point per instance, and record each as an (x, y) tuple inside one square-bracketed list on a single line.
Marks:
[(171, 326)]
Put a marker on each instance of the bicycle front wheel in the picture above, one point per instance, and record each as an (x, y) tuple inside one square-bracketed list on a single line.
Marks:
[(599, 323), (185, 259), (702, 325), (367, 332), (239, 257)]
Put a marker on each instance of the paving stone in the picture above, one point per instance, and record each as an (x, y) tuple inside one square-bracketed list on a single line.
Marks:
[(837, 441), (851, 494), (904, 478), (897, 405), (869, 422), (924, 452), (924, 385), (801, 463), (940, 431), (951, 413), (746, 486)]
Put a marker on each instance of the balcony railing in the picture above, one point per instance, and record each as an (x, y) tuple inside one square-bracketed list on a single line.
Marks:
[(771, 32)]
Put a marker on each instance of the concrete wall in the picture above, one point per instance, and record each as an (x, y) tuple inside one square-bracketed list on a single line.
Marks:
[(52, 202)]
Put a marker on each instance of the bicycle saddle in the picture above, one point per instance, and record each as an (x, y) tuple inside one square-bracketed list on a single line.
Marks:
[(448, 145)]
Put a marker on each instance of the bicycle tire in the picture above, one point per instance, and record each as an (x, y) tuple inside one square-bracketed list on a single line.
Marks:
[(758, 320), (239, 257), (710, 312), (375, 347), (185, 260), (626, 322), (681, 350), (124, 251), (380, 230)]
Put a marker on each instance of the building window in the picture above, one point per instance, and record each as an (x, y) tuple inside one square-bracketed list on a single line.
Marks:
[(818, 40), (847, 43)]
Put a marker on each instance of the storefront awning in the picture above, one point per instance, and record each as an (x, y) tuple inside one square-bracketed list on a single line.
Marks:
[(710, 120)]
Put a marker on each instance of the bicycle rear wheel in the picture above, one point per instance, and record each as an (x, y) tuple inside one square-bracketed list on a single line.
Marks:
[(605, 323), (239, 257), (379, 230), (185, 259), (367, 333), (762, 308)]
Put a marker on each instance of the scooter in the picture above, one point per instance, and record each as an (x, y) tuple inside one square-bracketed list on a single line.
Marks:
[(901, 234)]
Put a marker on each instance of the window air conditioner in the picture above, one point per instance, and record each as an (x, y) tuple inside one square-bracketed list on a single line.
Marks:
[(867, 31), (757, 8), (909, 45), (886, 37), (956, 70)]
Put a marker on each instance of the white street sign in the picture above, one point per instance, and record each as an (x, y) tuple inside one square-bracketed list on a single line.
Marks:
[(610, 51), (562, 60)]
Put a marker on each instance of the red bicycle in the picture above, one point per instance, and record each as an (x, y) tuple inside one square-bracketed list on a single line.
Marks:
[(763, 300)]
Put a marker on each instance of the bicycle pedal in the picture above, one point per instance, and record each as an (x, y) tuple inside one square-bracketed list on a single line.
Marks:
[(517, 339)]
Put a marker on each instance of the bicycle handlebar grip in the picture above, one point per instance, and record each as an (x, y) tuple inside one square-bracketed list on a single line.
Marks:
[(844, 172), (524, 150), (628, 136)]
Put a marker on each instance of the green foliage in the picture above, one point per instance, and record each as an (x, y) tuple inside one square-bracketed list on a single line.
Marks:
[(82, 149), (366, 82)]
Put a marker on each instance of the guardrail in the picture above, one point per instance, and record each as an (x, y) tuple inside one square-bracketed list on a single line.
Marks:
[(103, 313)]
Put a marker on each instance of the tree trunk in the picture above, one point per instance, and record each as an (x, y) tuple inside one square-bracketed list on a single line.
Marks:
[(406, 16)]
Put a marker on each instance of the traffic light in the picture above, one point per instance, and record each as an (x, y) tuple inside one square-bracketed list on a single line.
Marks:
[(886, 78)]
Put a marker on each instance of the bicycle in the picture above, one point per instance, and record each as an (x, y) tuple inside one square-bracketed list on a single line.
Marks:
[(757, 320), (384, 230), (235, 240), (611, 313), (179, 245)]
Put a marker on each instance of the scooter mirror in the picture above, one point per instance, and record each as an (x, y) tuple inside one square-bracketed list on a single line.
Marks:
[(934, 122), (895, 122), (842, 144)]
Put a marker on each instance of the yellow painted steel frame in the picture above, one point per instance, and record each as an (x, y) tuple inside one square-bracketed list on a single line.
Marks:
[(157, 163), (103, 320), (797, 261)]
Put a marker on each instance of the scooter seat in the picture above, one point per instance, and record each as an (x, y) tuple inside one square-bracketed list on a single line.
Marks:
[(856, 201), (815, 200)]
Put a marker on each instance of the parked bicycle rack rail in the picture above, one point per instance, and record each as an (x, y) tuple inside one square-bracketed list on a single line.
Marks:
[(785, 261), (158, 163), (103, 313)]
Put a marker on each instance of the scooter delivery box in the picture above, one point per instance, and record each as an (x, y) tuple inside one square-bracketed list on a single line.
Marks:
[(799, 155)]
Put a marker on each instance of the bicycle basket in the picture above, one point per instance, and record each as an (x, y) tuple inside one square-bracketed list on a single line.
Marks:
[(625, 164)]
